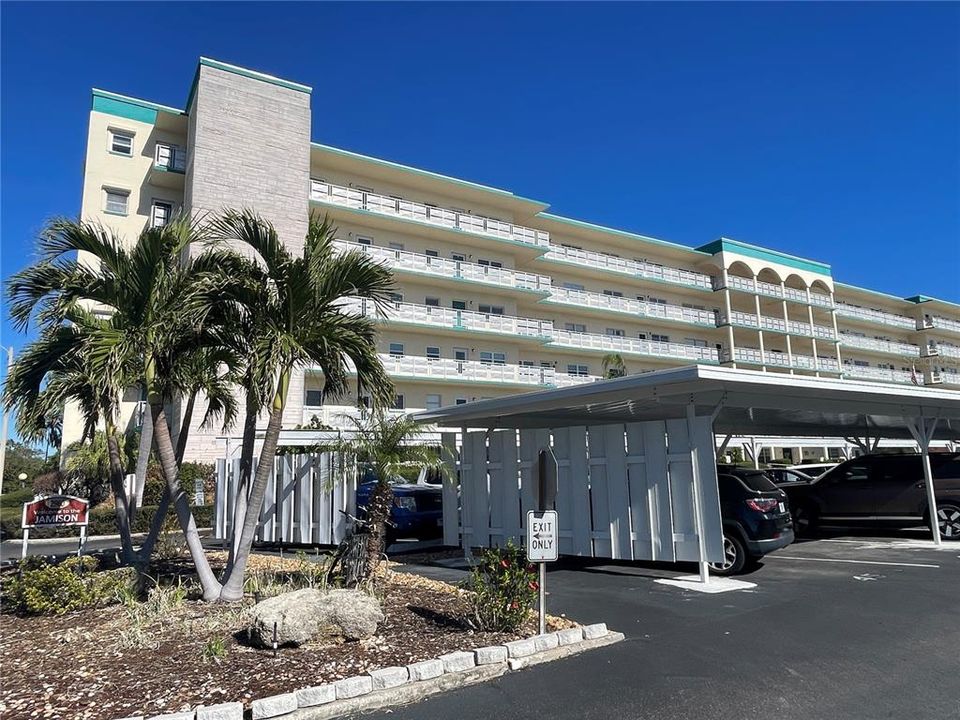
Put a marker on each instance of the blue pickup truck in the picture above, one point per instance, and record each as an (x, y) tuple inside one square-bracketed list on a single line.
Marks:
[(417, 510)]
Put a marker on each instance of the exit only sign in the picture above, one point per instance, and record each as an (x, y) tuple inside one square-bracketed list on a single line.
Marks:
[(542, 536)]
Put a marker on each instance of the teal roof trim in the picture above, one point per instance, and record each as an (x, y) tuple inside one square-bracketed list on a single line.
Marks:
[(926, 298), (761, 253), (621, 233), (244, 72), (873, 292), (129, 107), (423, 173)]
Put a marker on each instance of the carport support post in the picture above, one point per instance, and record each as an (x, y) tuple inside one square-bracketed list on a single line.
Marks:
[(923, 434), (697, 499)]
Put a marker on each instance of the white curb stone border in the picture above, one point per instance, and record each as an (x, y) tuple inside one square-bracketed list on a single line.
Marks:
[(402, 685)]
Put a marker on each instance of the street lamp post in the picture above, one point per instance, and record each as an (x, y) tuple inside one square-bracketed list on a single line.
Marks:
[(3, 425)]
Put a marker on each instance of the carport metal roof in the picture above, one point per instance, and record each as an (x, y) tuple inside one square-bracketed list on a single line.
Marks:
[(745, 402)]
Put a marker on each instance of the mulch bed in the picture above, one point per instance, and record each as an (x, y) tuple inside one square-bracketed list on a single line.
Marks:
[(93, 664)]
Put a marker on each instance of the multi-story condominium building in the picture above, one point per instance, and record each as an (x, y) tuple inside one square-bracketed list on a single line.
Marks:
[(495, 295)]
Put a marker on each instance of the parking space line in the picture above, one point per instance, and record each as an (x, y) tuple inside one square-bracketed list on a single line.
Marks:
[(852, 562)]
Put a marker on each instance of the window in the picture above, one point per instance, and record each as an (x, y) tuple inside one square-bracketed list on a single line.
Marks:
[(659, 338), (364, 240), (488, 357), (363, 189), (121, 143), (165, 156), (314, 397), (117, 202), (433, 401), (396, 246), (526, 363), (396, 297), (461, 401), (433, 353), (460, 354), (613, 293), (572, 247), (546, 364), (615, 332), (432, 253), (458, 304), (694, 307), (694, 342), (160, 214), (398, 403), (396, 349), (575, 327), (459, 257), (491, 309), (490, 263), (573, 286), (431, 302), (579, 370), (658, 301)]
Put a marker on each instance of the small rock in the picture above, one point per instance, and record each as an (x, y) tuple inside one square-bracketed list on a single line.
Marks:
[(303, 614), (490, 655), (597, 630), (425, 670)]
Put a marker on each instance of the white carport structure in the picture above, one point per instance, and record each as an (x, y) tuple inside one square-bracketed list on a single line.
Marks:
[(683, 400)]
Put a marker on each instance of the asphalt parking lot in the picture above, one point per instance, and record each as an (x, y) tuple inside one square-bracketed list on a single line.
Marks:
[(845, 627)]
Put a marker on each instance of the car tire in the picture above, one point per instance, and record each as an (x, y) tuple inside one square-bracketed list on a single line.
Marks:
[(805, 521), (948, 520), (735, 556)]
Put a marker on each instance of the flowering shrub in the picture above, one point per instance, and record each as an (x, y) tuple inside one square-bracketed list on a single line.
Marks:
[(503, 589)]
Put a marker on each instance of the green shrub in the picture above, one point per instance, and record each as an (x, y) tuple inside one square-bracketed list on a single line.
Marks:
[(73, 584), (154, 482), (503, 589), (103, 521)]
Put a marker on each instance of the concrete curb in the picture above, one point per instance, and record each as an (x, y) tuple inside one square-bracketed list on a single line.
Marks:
[(455, 670)]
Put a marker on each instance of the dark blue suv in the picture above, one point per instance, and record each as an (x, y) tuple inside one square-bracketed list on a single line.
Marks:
[(417, 510), (756, 518)]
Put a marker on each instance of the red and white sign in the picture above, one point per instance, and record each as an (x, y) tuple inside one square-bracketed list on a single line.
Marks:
[(55, 511)]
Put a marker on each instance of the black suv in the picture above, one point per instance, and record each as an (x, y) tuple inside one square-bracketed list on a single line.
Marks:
[(882, 490), (755, 515)]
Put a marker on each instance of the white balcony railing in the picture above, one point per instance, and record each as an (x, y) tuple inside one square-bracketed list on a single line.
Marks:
[(613, 343), (566, 380), (885, 346), (947, 377), (455, 269), (782, 292), (599, 301), (882, 374), (952, 351), (744, 319), (634, 268), (936, 321), (427, 214), (446, 370), (335, 415), (451, 319), (753, 356), (876, 316)]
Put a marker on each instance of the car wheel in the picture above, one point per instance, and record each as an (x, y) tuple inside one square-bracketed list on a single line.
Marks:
[(734, 556), (948, 518), (804, 521)]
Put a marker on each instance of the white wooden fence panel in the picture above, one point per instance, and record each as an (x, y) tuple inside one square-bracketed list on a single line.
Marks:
[(658, 491), (303, 518), (510, 520), (451, 485), (640, 520), (599, 496), (618, 492), (497, 488), (580, 481), (477, 450)]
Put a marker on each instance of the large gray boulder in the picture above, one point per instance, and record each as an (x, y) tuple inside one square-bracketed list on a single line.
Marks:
[(303, 615)]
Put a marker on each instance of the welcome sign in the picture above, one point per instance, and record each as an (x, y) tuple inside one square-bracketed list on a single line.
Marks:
[(55, 511)]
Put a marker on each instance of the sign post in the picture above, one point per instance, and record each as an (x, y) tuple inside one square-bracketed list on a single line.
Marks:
[(541, 549), (55, 511)]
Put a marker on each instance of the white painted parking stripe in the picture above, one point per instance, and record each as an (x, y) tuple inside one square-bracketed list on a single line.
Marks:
[(853, 562)]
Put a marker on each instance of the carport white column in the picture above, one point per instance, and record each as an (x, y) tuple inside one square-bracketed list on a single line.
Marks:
[(697, 499), (922, 430)]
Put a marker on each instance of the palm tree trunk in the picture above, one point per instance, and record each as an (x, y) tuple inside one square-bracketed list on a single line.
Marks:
[(377, 513), (120, 499), (168, 461), (160, 516), (233, 580), (143, 460), (243, 483)]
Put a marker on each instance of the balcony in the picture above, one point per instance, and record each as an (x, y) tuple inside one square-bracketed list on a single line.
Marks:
[(421, 369), (429, 215), (942, 349), (411, 262), (940, 323), (758, 287), (885, 346), (753, 356), (566, 380), (749, 320), (901, 377), (629, 306), (631, 346), (169, 166), (450, 319), (632, 268), (334, 415), (876, 316)]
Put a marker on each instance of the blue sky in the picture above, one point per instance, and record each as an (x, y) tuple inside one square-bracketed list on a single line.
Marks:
[(828, 131)]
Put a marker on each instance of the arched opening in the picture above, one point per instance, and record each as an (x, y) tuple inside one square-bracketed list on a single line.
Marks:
[(769, 276), (739, 269), (795, 281)]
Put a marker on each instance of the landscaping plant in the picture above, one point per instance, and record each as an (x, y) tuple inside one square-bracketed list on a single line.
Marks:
[(504, 588)]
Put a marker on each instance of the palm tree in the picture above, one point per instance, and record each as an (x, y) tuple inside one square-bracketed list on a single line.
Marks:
[(386, 445), (155, 296), (613, 366), (294, 305)]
